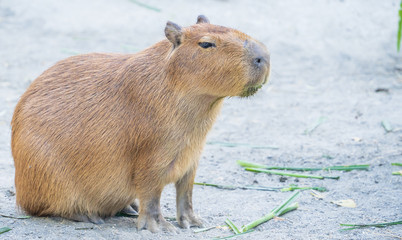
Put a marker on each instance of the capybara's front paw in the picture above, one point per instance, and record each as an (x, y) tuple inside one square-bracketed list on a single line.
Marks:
[(155, 224), (189, 219)]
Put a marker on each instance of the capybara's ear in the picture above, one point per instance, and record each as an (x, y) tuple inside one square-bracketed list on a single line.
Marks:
[(202, 19), (174, 33)]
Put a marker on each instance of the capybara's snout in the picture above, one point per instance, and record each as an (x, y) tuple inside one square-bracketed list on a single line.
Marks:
[(260, 57), (259, 65)]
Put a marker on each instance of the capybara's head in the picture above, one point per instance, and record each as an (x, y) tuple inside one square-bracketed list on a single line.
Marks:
[(216, 60)]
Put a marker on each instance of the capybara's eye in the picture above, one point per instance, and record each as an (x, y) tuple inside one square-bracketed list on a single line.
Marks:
[(206, 44)]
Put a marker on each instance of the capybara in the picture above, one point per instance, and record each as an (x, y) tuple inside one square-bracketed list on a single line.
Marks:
[(97, 132)]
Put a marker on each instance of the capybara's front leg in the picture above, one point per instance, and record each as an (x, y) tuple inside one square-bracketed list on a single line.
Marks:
[(150, 213), (184, 191)]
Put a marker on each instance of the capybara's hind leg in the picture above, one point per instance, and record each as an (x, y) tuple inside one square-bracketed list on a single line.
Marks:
[(84, 218), (184, 192), (150, 214)]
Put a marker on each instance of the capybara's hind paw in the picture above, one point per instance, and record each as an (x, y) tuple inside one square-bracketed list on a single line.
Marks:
[(155, 224), (129, 210), (84, 218)]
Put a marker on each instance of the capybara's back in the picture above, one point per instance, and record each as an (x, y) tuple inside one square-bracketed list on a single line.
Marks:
[(95, 132), (69, 139)]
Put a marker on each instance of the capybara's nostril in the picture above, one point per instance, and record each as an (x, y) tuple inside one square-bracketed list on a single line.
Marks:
[(259, 61)]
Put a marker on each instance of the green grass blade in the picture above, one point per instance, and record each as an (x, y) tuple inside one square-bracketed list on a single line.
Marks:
[(258, 170), (291, 207), (327, 156), (295, 187), (15, 217), (311, 129), (332, 168), (257, 222), (145, 6), (226, 187), (380, 225), (203, 229), (232, 226), (397, 173), (286, 205), (292, 187), (398, 43), (235, 235), (4, 229), (348, 167), (396, 164), (260, 188), (387, 126), (251, 165), (217, 186), (289, 174)]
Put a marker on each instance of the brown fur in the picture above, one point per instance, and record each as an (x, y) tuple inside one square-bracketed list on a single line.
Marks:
[(97, 131)]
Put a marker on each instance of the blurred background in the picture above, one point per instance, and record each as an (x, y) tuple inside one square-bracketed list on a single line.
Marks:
[(331, 60), (348, 36)]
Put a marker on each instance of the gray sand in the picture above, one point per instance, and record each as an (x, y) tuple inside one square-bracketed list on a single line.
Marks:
[(328, 58)]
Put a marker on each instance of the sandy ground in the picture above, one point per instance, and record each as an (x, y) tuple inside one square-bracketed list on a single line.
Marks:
[(328, 58)]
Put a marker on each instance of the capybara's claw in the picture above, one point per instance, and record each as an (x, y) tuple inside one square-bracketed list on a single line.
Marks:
[(135, 205), (190, 220), (79, 218), (96, 219), (155, 225), (167, 226), (84, 218), (129, 210)]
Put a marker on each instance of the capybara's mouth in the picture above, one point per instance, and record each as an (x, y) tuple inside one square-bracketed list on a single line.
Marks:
[(266, 78), (251, 90)]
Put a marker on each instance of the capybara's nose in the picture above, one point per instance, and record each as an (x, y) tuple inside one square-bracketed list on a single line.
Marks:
[(260, 57)]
